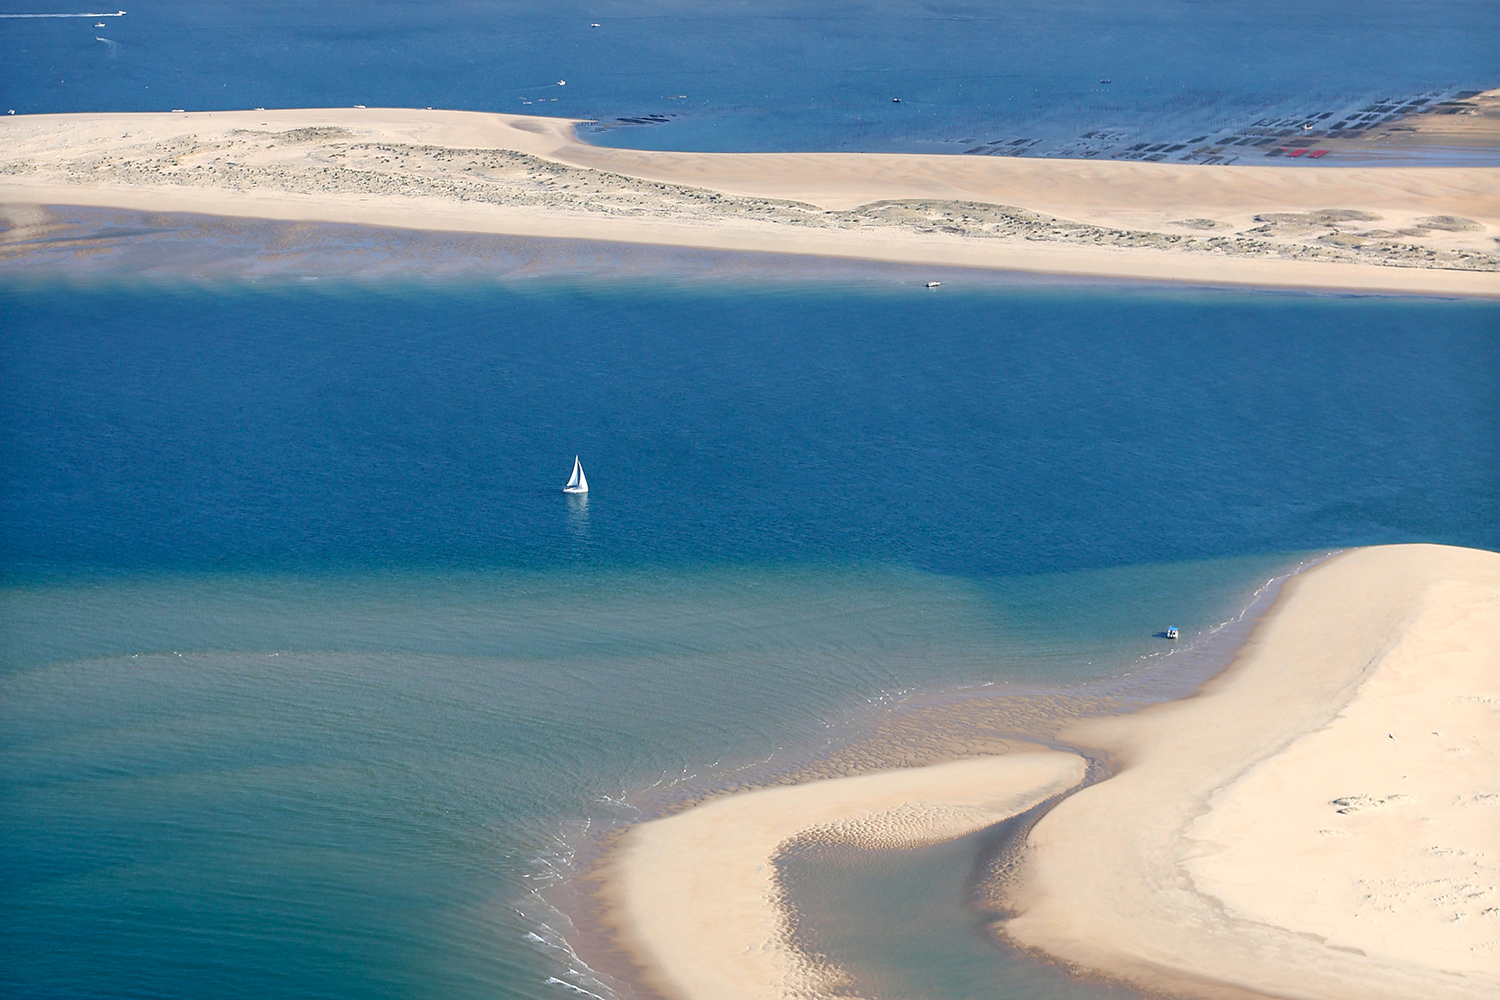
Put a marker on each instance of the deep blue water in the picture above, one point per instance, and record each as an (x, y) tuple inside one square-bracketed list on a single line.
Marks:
[(312, 677), (309, 675), (784, 74), (986, 432)]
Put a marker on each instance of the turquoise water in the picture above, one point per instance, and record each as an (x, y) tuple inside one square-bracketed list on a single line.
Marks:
[(312, 682), (223, 785), (905, 923)]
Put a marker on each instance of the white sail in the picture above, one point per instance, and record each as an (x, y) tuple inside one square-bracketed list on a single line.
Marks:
[(578, 482)]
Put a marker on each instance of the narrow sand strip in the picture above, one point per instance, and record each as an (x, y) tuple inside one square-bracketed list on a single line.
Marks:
[(1323, 821), (1408, 229), (694, 894), (1320, 821)]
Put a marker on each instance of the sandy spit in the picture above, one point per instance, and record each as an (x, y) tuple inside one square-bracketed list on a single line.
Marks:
[(695, 896), (1322, 821), (1402, 229)]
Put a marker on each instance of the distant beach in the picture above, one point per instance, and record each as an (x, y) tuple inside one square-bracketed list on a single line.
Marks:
[(1408, 229), (1317, 821), (1040, 544)]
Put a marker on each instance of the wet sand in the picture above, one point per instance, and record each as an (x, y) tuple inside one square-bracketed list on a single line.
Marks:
[(1317, 821), (695, 897), (1448, 130), (1398, 229)]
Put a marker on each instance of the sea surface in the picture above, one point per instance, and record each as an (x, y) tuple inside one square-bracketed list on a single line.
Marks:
[(773, 75), (313, 684), (311, 679)]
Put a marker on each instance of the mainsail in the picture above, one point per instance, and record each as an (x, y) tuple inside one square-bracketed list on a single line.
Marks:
[(578, 483)]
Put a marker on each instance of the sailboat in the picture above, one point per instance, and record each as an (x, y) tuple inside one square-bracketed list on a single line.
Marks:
[(578, 482)]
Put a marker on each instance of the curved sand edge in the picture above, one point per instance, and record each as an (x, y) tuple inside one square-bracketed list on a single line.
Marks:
[(1319, 821), (514, 175), (1322, 821), (694, 897)]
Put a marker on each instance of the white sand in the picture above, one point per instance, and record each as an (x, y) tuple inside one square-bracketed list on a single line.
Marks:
[(472, 172), (1323, 821), (694, 893), (1386, 837)]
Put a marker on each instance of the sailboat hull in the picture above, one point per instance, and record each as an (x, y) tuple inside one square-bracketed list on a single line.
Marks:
[(577, 482)]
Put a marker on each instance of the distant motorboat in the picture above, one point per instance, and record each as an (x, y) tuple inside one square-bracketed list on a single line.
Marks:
[(1172, 632), (934, 284), (578, 482)]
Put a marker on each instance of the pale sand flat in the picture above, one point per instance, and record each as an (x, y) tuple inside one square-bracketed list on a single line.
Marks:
[(693, 895), (1320, 822), (1386, 832), (443, 170)]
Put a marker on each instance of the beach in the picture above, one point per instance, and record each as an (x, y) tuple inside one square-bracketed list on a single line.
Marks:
[(697, 892), (1402, 229), (965, 392), (1317, 821)]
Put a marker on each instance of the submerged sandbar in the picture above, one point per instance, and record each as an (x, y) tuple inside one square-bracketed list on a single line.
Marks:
[(1316, 821), (1401, 229)]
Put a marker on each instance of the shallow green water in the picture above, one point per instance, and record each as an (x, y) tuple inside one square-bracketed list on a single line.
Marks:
[(311, 679), (904, 925), (352, 785)]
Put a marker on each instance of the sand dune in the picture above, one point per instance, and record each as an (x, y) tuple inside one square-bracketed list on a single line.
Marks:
[(1407, 229), (1321, 821)]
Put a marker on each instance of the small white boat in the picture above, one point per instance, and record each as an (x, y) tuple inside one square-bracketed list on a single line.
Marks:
[(934, 284), (578, 482), (1172, 632)]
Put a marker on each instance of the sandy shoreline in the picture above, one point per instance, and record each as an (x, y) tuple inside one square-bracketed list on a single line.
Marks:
[(1403, 229), (1319, 821), (694, 895)]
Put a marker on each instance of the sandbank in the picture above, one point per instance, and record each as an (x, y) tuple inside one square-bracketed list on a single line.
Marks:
[(1452, 127), (695, 895), (1408, 229), (1321, 820)]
